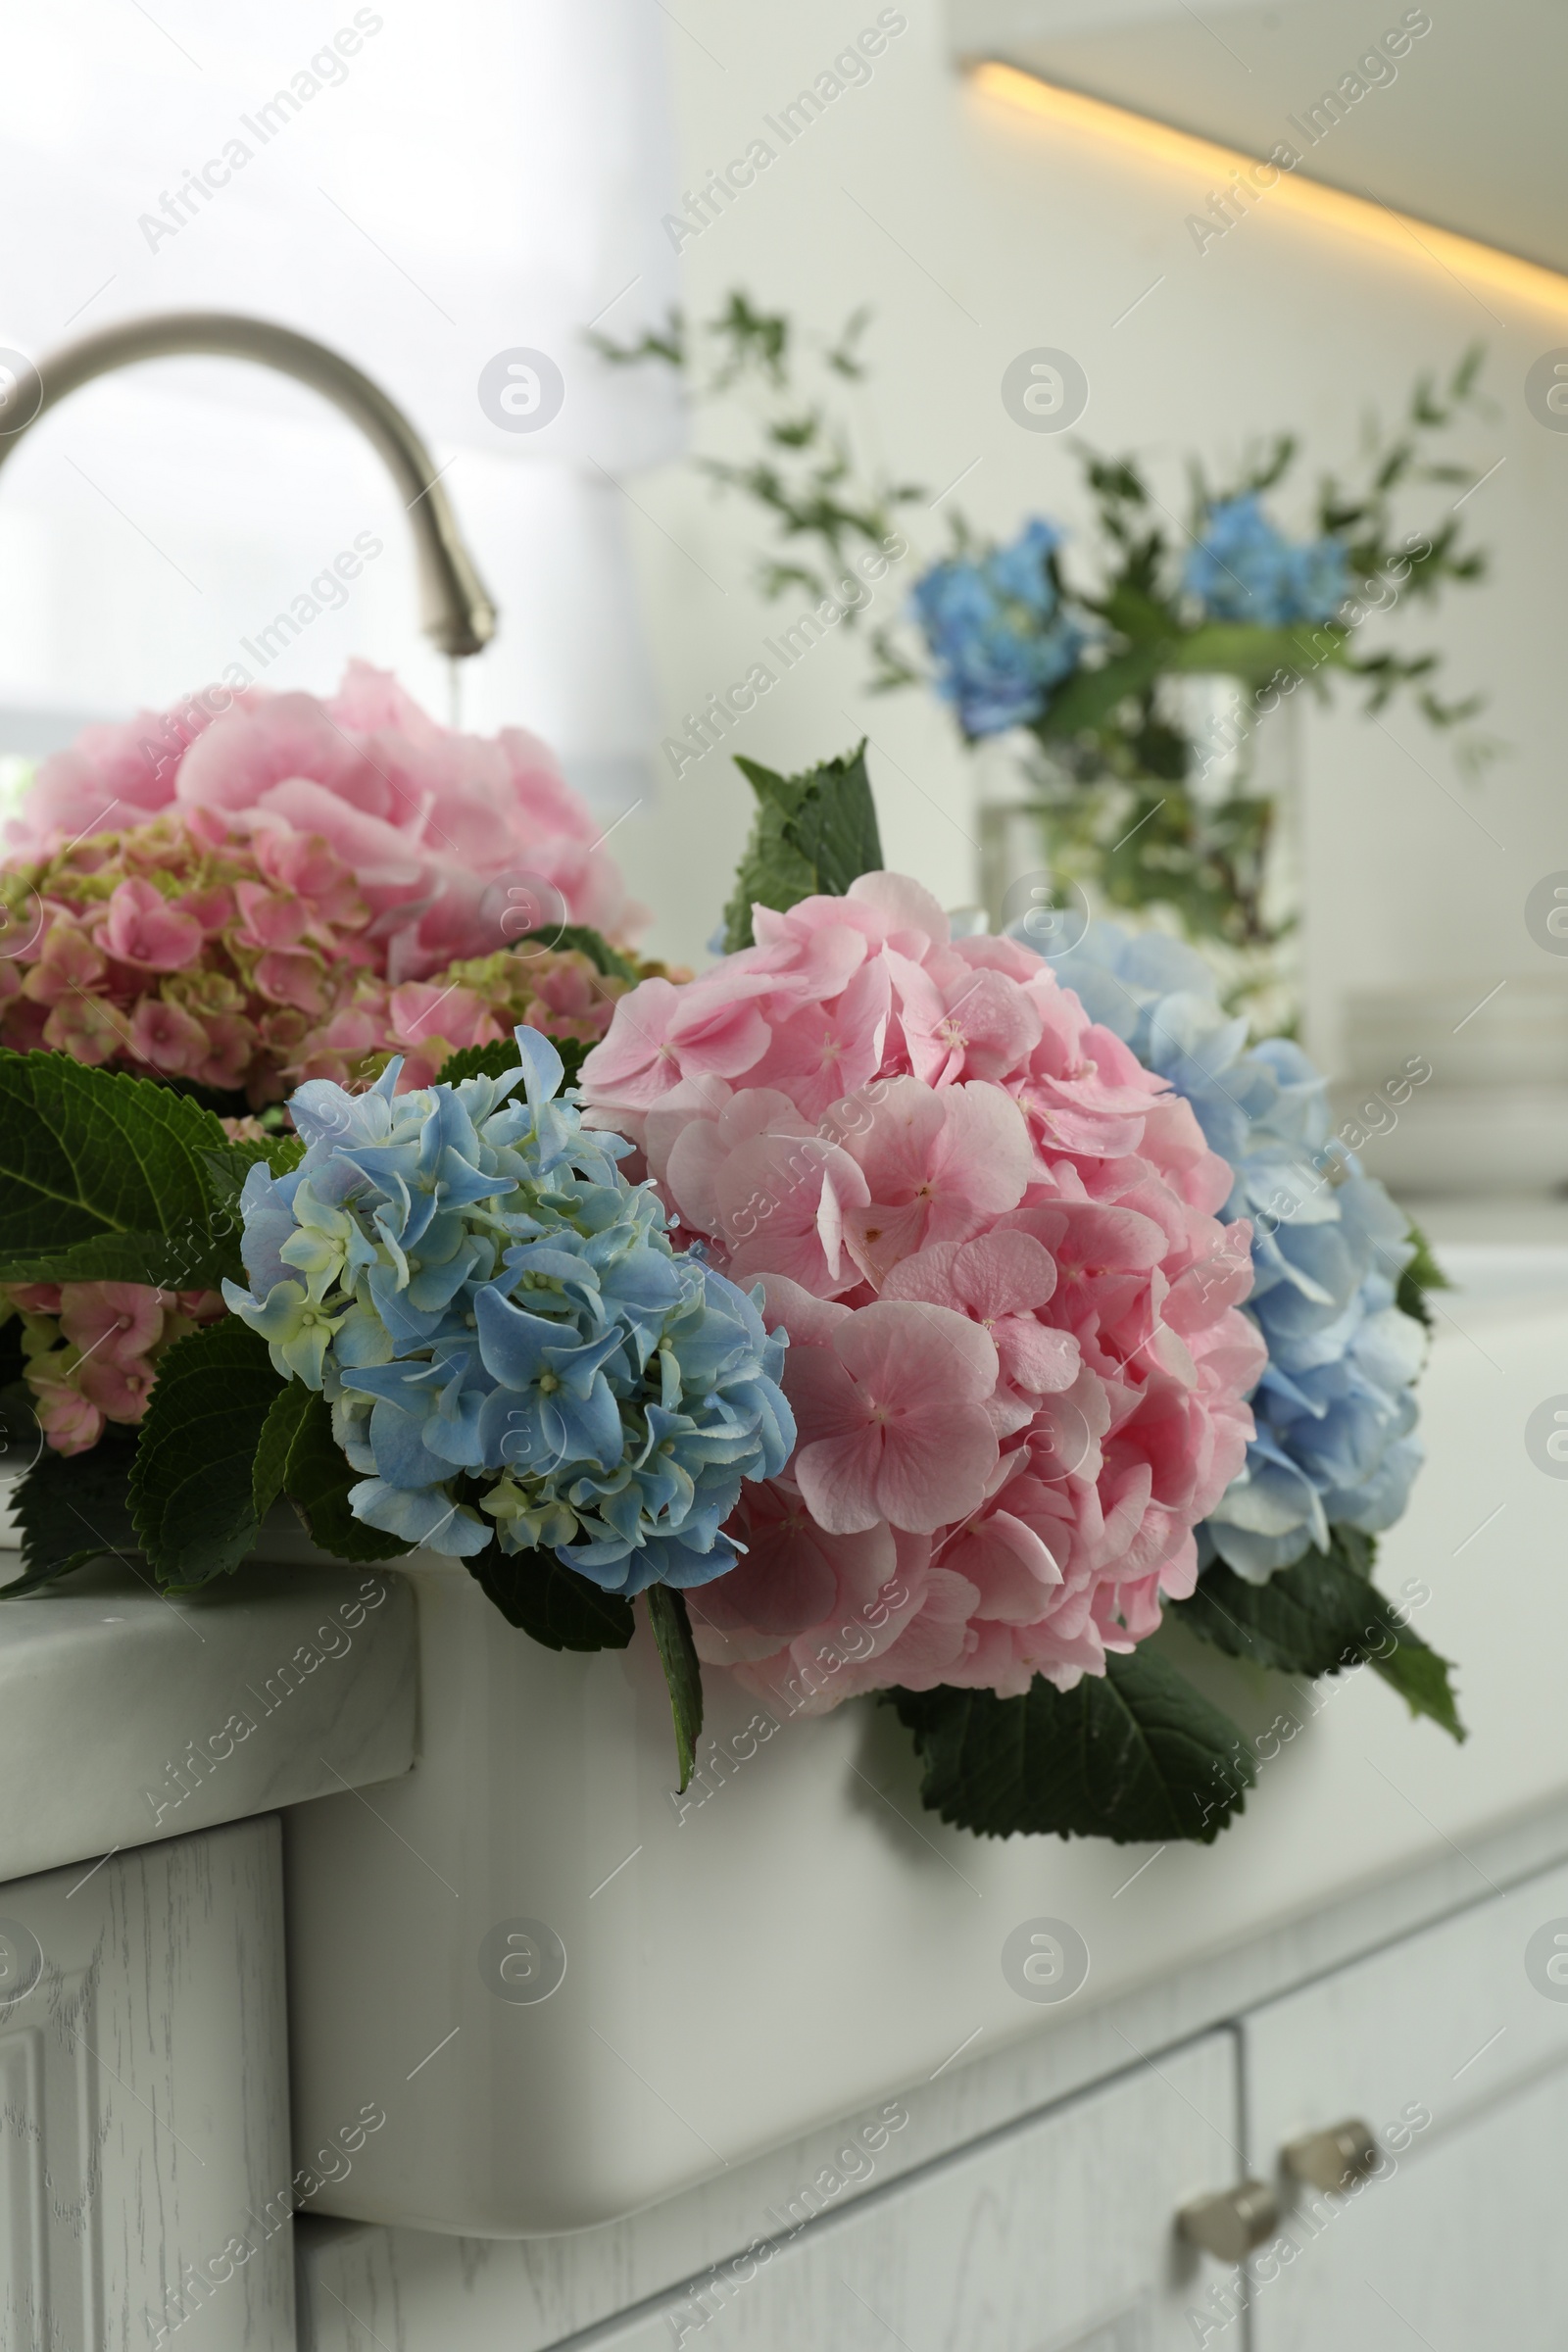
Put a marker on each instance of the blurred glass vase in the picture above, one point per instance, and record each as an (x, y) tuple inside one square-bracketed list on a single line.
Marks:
[(1210, 850)]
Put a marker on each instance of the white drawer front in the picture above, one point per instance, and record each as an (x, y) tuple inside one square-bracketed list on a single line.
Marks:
[(1453, 2047), (1053, 2237)]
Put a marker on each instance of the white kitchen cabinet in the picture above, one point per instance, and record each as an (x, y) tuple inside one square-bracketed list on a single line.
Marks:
[(144, 2148), (1054, 2235), (147, 2179), (1455, 2053), (1055, 2232)]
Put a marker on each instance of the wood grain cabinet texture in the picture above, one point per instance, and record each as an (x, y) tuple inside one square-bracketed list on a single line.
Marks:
[(144, 2147)]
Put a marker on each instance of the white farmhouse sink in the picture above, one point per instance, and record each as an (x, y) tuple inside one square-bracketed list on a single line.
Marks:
[(806, 1942)]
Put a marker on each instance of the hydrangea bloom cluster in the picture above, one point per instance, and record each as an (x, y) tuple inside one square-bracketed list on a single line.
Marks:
[(441, 831), (181, 955), (90, 1350), (221, 940), (1243, 568), (556, 990), (997, 631), (509, 1344), (1335, 1443), (1015, 1362)]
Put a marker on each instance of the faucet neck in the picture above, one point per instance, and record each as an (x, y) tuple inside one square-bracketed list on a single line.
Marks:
[(457, 611)]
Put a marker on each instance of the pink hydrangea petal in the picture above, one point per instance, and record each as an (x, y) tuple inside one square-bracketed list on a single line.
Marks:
[(905, 907), (826, 1051), (903, 1354), (117, 1319), (1012, 1568), (934, 1461), (878, 1238), (142, 927), (121, 1392), (794, 1575), (691, 1106), (809, 1321), (1034, 1356), (770, 1194), (839, 1477), (934, 1642)]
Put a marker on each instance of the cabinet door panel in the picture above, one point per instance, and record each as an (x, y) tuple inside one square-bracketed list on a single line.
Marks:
[(1055, 2236), (1453, 2047), (144, 2101)]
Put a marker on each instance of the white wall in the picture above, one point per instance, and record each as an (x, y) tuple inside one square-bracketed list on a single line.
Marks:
[(979, 232)]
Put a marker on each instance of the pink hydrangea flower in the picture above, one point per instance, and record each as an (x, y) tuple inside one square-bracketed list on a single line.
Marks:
[(91, 1350), (68, 963), (1014, 1353), (437, 827), (112, 777), (891, 1410), (69, 1421), (140, 926), (458, 842), (121, 1320), (246, 899), (121, 1392), (35, 1297), (166, 1039)]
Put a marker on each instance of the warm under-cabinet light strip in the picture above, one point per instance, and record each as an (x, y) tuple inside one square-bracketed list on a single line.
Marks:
[(1335, 208)]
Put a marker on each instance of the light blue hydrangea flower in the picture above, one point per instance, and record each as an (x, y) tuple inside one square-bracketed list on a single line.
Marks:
[(997, 631), (1243, 568), (509, 1344), (1335, 1409)]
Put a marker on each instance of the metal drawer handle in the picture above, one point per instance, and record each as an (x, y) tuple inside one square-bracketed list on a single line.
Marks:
[(1330, 2160), (1232, 2223)]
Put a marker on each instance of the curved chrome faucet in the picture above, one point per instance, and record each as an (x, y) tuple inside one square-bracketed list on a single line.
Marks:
[(456, 610)]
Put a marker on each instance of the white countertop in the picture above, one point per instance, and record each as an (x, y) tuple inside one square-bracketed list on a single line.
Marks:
[(127, 1716)]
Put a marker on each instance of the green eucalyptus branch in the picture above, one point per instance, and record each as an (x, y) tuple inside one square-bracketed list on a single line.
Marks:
[(821, 505)]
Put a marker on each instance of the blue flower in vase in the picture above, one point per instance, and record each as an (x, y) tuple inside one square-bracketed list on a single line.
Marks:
[(1243, 568), (997, 631)]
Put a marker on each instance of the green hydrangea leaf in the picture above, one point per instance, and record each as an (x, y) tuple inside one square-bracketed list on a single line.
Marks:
[(193, 1487), (1134, 1755), (1322, 1615), (1422, 1274), (225, 1173), (1089, 696), (834, 827), (673, 1631), (813, 834), (1421, 1678), (269, 1468), (552, 1604), (317, 1477), (102, 1178), (1239, 649), (72, 1510)]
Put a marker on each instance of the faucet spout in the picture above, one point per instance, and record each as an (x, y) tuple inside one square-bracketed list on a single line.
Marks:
[(457, 612)]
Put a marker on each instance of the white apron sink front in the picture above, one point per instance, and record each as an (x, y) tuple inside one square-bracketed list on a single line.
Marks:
[(804, 1942)]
